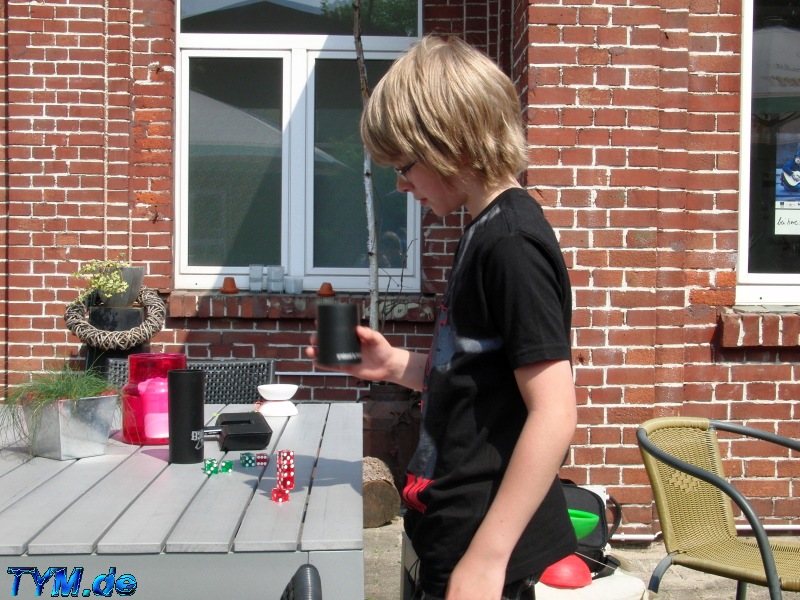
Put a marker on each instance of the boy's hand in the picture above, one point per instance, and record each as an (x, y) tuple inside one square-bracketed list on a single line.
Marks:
[(376, 356), (476, 579)]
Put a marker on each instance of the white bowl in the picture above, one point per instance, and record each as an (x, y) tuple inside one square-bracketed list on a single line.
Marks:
[(277, 391), (278, 408)]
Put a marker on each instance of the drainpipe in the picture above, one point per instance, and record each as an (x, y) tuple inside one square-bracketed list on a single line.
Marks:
[(649, 538), (778, 529), (638, 538)]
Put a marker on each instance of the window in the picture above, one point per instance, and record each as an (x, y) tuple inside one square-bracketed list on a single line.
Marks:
[(769, 229), (271, 166)]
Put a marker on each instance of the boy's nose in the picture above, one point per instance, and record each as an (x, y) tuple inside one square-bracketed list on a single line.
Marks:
[(402, 184)]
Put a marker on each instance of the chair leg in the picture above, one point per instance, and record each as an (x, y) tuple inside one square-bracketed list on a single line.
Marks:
[(741, 590), (658, 573), (304, 585)]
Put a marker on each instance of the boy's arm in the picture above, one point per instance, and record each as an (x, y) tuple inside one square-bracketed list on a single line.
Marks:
[(549, 394)]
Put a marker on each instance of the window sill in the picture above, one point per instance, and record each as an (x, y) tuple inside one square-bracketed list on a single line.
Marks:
[(252, 305), (760, 326)]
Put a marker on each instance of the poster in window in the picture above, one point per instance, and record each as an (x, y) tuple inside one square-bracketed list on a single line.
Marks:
[(787, 185), (776, 106)]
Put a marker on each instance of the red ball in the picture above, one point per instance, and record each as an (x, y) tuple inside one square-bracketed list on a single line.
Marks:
[(570, 573)]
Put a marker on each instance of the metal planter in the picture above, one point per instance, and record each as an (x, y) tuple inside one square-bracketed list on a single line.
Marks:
[(133, 276), (69, 429)]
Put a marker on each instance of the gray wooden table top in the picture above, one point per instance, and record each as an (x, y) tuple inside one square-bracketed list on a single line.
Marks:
[(131, 507)]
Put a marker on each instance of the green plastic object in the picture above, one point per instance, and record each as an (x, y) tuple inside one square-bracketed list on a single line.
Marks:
[(583, 522)]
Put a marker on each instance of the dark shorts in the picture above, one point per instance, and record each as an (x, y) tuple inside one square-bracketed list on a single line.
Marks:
[(518, 590)]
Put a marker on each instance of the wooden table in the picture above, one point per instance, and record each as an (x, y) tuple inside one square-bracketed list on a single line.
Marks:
[(181, 533)]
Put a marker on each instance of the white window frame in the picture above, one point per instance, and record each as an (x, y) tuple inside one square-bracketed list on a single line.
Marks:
[(299, 53), (754, 288), (351, 278)]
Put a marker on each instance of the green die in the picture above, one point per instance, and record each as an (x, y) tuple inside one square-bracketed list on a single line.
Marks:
[(248, 459), (210, 466), (226, 466)]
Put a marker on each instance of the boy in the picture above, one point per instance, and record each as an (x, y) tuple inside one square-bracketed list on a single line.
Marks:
[(485, 510)]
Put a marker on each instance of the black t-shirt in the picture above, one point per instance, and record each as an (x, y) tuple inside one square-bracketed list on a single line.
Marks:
[(508, 304)]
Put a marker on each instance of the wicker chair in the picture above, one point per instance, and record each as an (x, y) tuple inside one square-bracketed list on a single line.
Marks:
[(682, 459), (228, 381)]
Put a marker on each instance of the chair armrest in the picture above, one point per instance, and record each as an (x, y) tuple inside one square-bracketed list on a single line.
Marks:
[(756, 433), (759, 532)]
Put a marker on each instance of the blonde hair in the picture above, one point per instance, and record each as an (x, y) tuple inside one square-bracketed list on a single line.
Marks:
[(450, 107)]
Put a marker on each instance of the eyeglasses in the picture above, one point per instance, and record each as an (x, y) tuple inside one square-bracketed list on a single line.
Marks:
[(401, 172)]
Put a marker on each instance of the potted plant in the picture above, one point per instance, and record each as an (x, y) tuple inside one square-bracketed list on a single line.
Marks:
[(64, 414), (114, 314), (115, 282)]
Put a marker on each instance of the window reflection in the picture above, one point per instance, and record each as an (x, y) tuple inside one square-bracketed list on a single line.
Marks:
[(333, 17), (775, 139), (340, 224), (235, 148)]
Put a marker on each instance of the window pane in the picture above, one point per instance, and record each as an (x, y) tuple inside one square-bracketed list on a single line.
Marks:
[(340, 224), (378, 17), (234, 161), (775, 139)]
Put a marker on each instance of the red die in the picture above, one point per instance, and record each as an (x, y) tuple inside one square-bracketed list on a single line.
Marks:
[(261, 460), (280, 495), (286, 482)]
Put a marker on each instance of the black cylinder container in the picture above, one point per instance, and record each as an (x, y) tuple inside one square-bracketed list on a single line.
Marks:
[(186, 415), (337, 341)]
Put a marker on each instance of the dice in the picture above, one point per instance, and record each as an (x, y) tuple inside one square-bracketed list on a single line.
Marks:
[(286, 482), (211, 466), (248, 459), (280, 495), (284, 466)]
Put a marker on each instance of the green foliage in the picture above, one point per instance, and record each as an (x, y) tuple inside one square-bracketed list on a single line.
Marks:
[(102, 276), (50, 386), (378, 17), (46, 388)]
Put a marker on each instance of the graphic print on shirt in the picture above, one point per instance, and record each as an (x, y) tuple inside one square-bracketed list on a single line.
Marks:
[(420, 469), (446, 345)]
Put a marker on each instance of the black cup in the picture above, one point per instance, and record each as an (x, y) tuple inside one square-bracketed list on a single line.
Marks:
[(337, 341), (186, 415)]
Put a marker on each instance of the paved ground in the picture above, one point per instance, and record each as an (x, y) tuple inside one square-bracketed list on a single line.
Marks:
[(382, 571)]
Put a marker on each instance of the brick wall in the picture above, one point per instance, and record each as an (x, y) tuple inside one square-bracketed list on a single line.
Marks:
[(89, 160), (4, 232), (633, 120), (634, 134)]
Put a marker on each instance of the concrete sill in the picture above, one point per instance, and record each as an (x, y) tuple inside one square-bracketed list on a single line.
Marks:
[(253, 305)]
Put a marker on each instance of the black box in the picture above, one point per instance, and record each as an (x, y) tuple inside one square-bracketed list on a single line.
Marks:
[(241, 431)]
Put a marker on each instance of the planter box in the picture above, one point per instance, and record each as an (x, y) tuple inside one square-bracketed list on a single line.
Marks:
[(70, 429), (133, 276), (113, 319), (109, 318)]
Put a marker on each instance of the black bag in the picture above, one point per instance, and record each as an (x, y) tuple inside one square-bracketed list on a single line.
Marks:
[(592, 548)]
